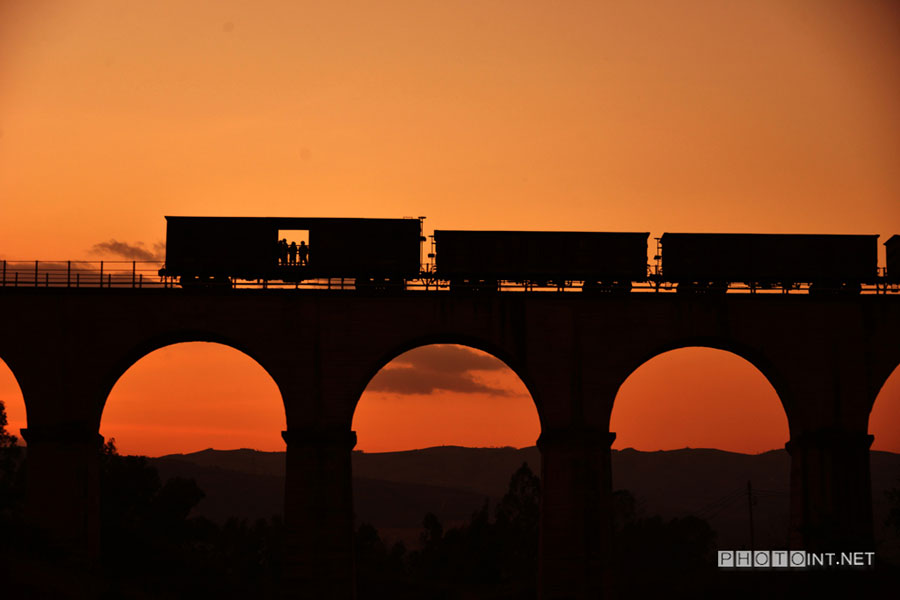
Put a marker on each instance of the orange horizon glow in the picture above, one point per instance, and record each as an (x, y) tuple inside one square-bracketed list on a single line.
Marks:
[(677, 115)]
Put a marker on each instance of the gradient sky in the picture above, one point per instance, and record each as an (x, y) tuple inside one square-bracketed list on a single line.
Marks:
[(687, 115)]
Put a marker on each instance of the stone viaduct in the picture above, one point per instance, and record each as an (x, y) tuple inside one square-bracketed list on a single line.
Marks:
[(826, 357)]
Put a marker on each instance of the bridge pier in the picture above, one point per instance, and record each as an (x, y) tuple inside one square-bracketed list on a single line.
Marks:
[(576, 518), (831, 490), (318, 514), (62, 489)]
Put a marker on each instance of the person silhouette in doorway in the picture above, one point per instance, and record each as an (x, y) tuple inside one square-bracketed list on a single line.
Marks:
[(304, 254)]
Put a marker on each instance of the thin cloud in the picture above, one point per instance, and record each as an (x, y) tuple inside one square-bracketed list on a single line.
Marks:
[(137, 251), (407, 380), (450, 359), (438, 368)]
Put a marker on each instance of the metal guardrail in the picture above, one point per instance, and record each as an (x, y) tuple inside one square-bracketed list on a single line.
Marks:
[(77, 274), (135, 274)]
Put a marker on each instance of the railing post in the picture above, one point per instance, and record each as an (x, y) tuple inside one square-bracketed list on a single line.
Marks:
[(101, 273), (68, 273), (35, 273), (133, 268), (77, 279), (4, 273), (141, 281)]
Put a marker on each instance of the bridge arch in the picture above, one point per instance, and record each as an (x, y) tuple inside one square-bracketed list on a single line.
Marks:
[(137, 351), (884, 416), (13, 397), (187, 361), (694, 407), (394, 351), (757, 359), (710, 444), (883, 371)]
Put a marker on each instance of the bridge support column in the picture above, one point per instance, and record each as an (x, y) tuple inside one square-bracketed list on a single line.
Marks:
[(831, 490), (576, 517), (318, 514), (63, 488)]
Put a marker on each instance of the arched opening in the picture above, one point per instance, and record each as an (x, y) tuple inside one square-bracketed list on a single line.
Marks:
[(698, 465), (13, 402), (884, 425), (210, 419), (441, 395), (12, 475), (884, 420), (443, 432), (699, 398), (192, 396)]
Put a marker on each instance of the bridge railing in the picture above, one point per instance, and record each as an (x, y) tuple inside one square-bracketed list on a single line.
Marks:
[(80, 273), (138, 274)]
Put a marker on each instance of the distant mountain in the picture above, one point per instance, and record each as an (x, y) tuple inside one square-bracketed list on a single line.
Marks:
[(394, 490)]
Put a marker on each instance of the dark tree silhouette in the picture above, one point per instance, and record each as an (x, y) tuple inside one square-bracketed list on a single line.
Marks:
[(893, 518), (381, 572), (11, 471), (517, 524), (485, 558), (152, 547), (7, 440), (655, 557)]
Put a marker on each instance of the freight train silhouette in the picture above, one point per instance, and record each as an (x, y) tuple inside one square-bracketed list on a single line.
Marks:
[(381, 254)]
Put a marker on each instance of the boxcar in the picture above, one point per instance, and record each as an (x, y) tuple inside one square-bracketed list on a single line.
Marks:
[(541, 257), (203, 249), (713, 260), (892, 252)]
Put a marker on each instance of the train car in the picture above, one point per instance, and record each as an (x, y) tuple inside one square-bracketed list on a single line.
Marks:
[(710, 261), (484, 258), (205, 250), (892, 252)]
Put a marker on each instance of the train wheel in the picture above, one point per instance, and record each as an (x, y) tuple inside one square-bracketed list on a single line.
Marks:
[(834, 288), (220, 282), (607, 287), (189, 281), (395, 284), (487, 286)]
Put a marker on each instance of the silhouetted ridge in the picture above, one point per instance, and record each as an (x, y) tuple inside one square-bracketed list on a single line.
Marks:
[(393, 490)]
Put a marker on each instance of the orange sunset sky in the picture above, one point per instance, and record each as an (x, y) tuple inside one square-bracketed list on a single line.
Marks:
[(673, 115)]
